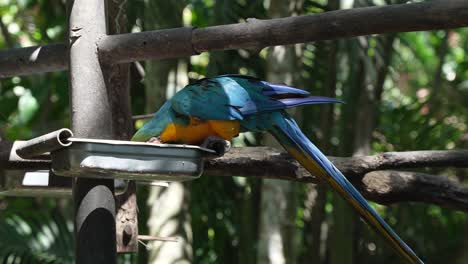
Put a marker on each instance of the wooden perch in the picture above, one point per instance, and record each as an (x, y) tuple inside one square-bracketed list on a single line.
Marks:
[(365, 172), (254, 34), (396, 186), (266, 162), (374, 176)]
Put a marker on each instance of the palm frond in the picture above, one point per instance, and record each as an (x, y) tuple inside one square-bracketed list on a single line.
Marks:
[(42, 237)]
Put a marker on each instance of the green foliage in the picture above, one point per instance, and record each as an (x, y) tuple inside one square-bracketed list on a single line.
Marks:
[(44, 236), (31, 105)]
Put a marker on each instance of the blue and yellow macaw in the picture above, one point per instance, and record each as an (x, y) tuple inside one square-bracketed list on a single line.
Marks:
[(225, 105)]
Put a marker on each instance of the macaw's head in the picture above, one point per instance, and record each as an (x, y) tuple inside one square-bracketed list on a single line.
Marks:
[(156, 125)]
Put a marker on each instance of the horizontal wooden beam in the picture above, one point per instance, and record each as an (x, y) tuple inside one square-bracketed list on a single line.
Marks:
[(266, 162), (254, 34), (334, 24), (31, 60), (375, 176)]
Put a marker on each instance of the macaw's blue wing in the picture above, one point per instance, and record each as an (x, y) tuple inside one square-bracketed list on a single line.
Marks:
[(280, 104), (226, 97), (233, 97), (288, 134)]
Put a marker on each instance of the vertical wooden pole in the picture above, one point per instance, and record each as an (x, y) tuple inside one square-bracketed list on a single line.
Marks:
[(118, 81), (91, 118)]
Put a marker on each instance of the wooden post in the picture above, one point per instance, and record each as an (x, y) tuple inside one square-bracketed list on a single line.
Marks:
[(117, 78), (91, 118)]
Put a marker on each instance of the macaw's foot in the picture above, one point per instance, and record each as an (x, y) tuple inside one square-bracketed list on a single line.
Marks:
[(220, 145), (154, 140)]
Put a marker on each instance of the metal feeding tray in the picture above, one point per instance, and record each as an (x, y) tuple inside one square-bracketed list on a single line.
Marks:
[(129, 160), (126, 160)]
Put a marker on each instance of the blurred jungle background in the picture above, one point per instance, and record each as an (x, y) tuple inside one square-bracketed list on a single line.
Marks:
[(405, 91)]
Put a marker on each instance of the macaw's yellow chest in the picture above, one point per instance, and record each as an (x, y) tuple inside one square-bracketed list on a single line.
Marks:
[(198, 130)]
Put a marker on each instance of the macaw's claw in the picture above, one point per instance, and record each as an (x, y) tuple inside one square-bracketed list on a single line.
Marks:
[(154, 140), (220, 145)]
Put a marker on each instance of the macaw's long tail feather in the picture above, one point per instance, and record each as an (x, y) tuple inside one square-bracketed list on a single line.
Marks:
[(287, 132), (278, 89), (291, 102)]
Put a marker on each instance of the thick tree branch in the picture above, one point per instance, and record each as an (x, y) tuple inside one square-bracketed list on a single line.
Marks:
[(397, 186), (182, 42), (268, 162), (366, 172)]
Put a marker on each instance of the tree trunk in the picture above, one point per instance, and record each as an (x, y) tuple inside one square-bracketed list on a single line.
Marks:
[(168, 208), (360, 119), (170, 217), (278, 234), (314, 218), (462, 256), (341, 243), (315, 231)]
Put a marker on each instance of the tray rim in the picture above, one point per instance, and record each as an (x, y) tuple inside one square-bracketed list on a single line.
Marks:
[(135, 143)]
